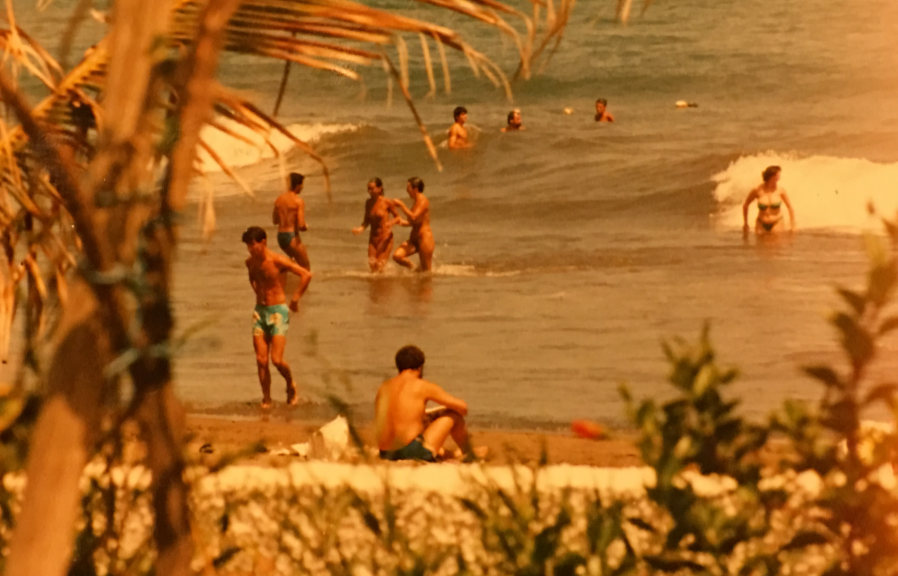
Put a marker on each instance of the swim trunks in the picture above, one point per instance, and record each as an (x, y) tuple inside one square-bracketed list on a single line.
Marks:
[(271, 320), (284, 240), (414, 450)]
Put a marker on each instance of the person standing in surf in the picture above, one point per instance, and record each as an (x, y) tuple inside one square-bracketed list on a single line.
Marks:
[(380, 215), (420, 240), (770, 197), (271, 316), (289, 215)]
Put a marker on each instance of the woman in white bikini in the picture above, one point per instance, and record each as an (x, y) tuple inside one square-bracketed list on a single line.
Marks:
[(770, 198)]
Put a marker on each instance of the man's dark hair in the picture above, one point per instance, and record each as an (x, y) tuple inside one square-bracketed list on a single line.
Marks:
[(416, 183), (409, 358), (459, 110), (511, 116), (296, 179), (603, 101), (254, 234)]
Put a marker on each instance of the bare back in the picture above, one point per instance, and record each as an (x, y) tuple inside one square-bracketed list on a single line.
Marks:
[(289, 213), (400, 405)]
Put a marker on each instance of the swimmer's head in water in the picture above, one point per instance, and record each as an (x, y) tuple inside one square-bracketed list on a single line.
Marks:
[(295, 180), (770, 172), (459, 110), (601, 104), (514, 118), (410, 358), (416, 183)]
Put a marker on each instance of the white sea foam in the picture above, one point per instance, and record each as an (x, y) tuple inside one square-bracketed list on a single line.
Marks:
[(826, 192), (236, 152)]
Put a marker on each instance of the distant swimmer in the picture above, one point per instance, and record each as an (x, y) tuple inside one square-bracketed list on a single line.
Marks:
[(271, 316), (458, 134), (289, 216), (602, 113), (380, 215), (769, 197), (420, 239), (514, 122)]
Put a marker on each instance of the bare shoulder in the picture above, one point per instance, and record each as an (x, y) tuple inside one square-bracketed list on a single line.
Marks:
[(429, 388)]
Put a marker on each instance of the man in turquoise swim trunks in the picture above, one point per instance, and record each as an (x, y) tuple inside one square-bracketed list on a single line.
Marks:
[(271, 317), (289, 215), (404, 428)]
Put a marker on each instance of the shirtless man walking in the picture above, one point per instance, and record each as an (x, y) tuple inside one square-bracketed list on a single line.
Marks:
[(271, 317), (289, 216), (420, 239), (458, 134), (403, 429)]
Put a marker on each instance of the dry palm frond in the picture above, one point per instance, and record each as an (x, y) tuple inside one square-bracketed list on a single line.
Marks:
[(19, 49)]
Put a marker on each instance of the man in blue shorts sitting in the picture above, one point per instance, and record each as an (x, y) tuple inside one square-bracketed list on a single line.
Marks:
[(271, 317), (404, 428)]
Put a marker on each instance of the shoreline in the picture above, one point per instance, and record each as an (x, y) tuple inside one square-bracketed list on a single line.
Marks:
[(257, 438)]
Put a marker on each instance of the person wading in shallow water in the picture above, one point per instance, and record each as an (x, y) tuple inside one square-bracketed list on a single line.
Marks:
[(289, 215), (515, 123), (769, 197), (602, 113), (420, 239), (380, 215), (271, 316), (458, 134)]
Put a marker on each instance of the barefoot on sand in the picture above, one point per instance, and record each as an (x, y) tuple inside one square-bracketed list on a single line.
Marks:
[(292, 398)]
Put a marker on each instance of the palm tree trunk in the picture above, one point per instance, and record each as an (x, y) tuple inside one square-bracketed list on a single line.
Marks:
[(64, 436)]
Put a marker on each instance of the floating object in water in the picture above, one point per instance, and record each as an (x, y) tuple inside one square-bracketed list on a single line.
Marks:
[(568, 110), (685, 104), (587, 429)]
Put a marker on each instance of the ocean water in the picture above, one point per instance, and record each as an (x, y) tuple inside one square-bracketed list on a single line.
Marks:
[(566, 254)]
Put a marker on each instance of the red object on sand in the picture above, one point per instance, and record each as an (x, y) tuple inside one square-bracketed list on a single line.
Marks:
[(587, 429)]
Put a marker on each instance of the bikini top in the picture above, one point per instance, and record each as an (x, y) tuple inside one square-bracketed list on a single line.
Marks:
[(763, 207)]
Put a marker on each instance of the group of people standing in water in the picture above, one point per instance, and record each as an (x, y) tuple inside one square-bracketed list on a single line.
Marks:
[(268, 270)]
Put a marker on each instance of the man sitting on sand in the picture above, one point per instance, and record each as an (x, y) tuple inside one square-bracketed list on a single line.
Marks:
[(404, 430)]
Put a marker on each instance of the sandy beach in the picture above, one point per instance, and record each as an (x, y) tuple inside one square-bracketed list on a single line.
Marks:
[(222, 435)]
